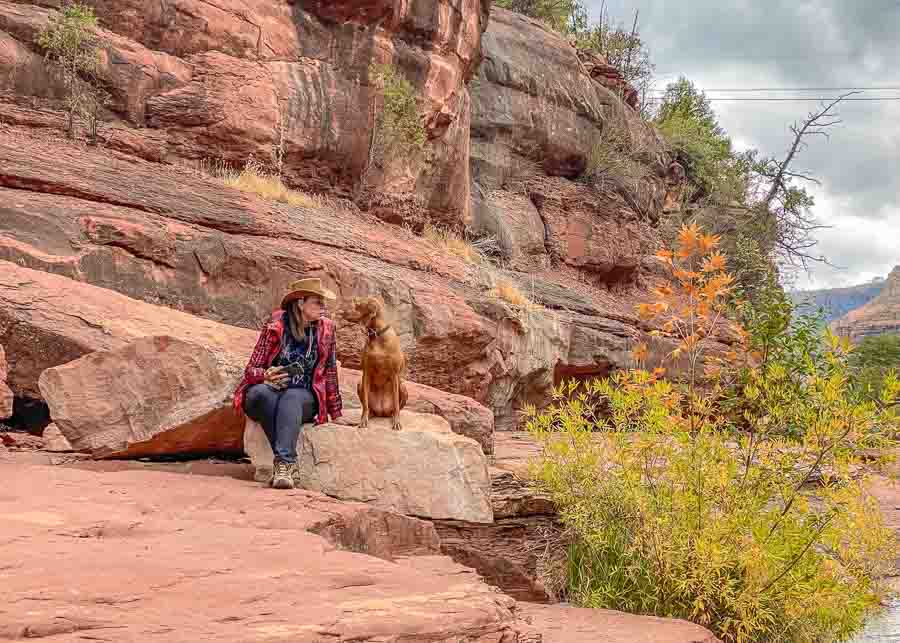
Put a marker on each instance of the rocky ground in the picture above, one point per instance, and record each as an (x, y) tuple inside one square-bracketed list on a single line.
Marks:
[(129, 551)]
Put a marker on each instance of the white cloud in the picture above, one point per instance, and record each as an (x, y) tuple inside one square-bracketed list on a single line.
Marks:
[(814, 43)]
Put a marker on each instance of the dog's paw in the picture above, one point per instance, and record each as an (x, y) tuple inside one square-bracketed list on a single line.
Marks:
[(396, 426), (363, 422)]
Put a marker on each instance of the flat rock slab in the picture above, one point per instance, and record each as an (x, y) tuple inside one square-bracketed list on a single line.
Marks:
[(564, 624), (200, 558), (425, 470), (157, 395)]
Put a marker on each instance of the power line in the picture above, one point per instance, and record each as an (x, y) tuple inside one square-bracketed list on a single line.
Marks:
[(883, 99), (794, 89)]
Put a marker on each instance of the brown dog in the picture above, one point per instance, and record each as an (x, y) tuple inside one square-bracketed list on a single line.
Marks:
[(382, 391)]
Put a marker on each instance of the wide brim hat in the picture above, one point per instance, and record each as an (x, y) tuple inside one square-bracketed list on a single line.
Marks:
[(304, 287)]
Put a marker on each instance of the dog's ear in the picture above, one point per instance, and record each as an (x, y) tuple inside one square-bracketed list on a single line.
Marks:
[(372, 306)]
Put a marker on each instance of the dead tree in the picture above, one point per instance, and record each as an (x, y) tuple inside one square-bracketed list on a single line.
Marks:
[(786, 206)]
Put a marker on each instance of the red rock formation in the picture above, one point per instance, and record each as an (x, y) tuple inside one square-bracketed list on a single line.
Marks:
[(540, 106), (47, 320), (188, 557), (566, 624), (228, 79), (220, 79), (877, 317)]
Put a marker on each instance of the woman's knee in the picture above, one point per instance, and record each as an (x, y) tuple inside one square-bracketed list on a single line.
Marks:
[(257, 397)]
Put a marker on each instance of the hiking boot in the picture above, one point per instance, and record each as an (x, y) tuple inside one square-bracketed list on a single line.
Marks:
[(295, 473), (281, 475)]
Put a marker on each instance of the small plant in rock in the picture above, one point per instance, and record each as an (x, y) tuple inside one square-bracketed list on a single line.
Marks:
[(398, 126), (256, 179), (677, 509), (454, 243), (74, 53), (613, 158)]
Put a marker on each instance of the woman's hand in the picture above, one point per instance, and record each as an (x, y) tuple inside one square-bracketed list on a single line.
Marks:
[(276, 377)]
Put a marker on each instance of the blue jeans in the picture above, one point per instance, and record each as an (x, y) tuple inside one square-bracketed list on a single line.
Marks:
[(281, 414)]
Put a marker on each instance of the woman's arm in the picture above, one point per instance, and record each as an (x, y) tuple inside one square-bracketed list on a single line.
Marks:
[(255, 371)]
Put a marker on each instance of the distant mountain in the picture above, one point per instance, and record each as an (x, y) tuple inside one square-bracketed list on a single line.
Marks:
[(879, 316), (836, 302)]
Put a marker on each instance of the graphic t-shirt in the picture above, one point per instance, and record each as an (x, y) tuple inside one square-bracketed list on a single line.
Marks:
[(304, 352)]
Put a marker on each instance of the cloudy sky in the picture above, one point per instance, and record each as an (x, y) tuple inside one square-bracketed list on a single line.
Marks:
[(800, 44)]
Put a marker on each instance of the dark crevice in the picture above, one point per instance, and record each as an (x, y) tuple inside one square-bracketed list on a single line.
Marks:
[(29, 415)]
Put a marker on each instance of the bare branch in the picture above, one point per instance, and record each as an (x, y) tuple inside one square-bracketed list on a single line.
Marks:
[(814, 124)]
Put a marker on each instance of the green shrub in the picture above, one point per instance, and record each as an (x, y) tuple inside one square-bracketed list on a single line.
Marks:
[(689, 124), (673, 512), (874, 360), (73, 52), (398, 126), (556, 14)]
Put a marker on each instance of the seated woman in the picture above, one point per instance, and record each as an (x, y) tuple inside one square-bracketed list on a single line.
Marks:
[(291, 378)]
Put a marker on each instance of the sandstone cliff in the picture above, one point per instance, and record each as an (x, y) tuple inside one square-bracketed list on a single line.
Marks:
[(195, 80), (879, 316)]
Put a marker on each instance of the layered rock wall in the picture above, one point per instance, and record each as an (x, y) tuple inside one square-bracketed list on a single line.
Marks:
[(880, 316), (230, 79), (197, 80)]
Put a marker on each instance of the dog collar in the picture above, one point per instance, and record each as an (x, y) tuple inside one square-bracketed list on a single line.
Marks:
[(372, 333)]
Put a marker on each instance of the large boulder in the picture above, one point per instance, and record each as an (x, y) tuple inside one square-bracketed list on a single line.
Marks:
[(47, 320), (155, 396), (425, 470), (6, 394)]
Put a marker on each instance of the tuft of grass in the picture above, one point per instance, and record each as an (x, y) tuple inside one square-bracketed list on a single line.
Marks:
[(256, 180), (454, 244), (614, 156), (481, 253), (510, 293)]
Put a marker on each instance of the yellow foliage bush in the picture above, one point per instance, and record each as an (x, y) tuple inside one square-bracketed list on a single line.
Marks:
[(674, 512)]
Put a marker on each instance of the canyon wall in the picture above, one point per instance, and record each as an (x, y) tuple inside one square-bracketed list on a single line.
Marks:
[(512, 112)]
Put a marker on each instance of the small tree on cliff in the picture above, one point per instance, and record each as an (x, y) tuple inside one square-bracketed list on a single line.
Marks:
[(397, 129), (73, 51), (557, 14)]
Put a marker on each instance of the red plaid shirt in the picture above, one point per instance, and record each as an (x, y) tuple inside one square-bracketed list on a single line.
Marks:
[(325, 378)]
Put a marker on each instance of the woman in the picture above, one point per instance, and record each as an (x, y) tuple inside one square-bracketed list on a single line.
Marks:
[(291, 377)]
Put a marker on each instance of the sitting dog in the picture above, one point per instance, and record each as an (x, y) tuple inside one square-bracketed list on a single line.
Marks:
[(382, 391)]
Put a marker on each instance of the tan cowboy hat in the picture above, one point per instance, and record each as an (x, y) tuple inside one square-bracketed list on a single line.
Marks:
[(303, 287)]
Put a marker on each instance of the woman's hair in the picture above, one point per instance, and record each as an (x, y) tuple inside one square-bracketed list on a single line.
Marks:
[(299, 302)]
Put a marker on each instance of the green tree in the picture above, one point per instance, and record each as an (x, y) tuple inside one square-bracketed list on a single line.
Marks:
[(873, 360), (73, 51), (687, 120), (557, 14)]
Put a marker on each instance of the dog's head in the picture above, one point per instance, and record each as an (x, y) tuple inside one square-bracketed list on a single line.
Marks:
[(361, 310)]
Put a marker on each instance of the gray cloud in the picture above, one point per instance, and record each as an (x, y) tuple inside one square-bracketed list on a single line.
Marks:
[(784, 43)]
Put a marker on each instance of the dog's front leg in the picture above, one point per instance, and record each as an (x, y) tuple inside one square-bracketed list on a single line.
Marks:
[(364, 398), (396, 420)]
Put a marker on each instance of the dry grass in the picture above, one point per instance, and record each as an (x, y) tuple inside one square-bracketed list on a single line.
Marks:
[(454, 244), (510, 293), (482, 254), (255, 180)]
